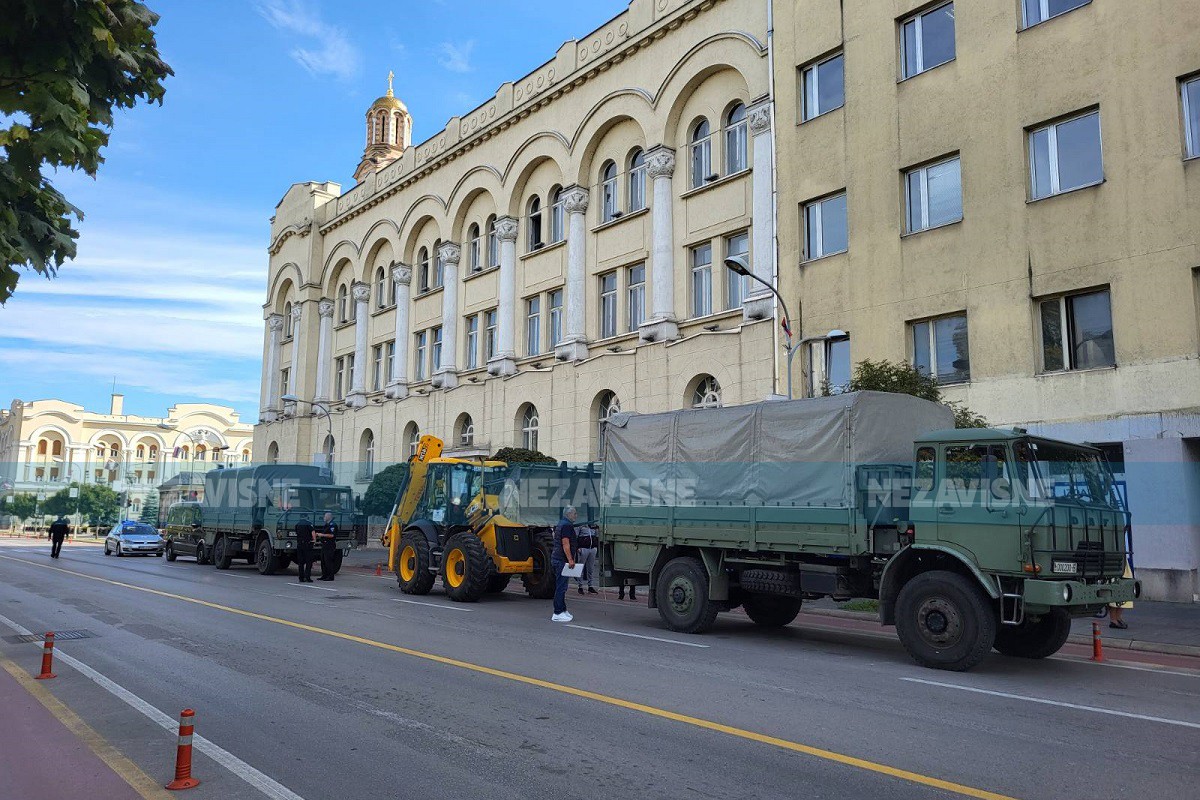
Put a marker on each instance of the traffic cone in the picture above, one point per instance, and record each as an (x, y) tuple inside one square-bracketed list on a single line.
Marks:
[(183, 753), (1097, 646), (379, 570), (47, 658)]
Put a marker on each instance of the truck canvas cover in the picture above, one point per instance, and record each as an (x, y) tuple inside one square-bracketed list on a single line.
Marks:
[(224, 488), (536, 494), (772, 453)]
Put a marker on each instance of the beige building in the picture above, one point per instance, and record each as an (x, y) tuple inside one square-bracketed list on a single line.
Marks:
[(1007, 194), (47, 444)]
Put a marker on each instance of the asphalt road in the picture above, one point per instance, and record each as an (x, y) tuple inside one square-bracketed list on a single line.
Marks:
[(352, 690)]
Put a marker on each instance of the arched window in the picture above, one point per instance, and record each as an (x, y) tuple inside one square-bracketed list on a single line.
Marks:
[(707, 393), (735, 140), (381, 300), (701, 154), (272, 453), (529, 427), (154, 452), (391, 294), (493, 243), (558, 215), (201, 452), (637, 180), (114, 451), (329, 449), (535, 223), (474, 245), (465, 430), (439, 266), (366, 455), (374, 129), (607, 405), (423, 268), (43, 447), (608, 192), (184, 452), (343, 304), (141, 453), (287, 321), (245, 456), (412, 438)]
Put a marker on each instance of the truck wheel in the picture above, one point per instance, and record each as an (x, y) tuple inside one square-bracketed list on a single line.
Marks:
[(770, 611), (539, 584), (465, 566), (682, 595), (412, 564), (221, 557), (1039, 639), (944, 621), (498, 583), (283, 562), (170, 552), (265, 557)]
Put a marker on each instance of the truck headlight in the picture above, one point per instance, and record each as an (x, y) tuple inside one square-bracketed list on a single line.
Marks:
[(1067, 593)]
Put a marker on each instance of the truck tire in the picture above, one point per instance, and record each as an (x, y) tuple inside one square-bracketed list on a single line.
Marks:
[(771, 612), (498, 582), (221, 557), (412, 564), (1039, 639), (170, 552), (264, 557), (283, 562), (945, 621), (465, 568), (539, 584), (682, 594)]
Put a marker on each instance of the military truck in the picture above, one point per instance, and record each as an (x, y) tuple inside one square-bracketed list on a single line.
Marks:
[(250, 513), (968, 539)]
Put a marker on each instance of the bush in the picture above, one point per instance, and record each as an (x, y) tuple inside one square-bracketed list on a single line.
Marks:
[(889, 376), (381, 495)]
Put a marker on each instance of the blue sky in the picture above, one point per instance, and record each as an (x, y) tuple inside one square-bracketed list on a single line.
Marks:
[(165, 294)]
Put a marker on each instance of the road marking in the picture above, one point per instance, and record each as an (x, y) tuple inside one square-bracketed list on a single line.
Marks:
[(231, 574), (306, 586), (1182, 672), (131, 773), (432, 605), (1041, 701), (653, 711), (637, 636)]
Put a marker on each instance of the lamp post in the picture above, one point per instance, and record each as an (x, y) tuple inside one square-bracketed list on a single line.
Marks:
[(321, 407), (73, 491), (741, 265), (167, 426)]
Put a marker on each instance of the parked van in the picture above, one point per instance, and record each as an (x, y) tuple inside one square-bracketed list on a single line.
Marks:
[(185, 532)]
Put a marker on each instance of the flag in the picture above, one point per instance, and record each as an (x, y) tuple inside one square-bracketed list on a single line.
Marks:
[(787, 328), (176, 452)]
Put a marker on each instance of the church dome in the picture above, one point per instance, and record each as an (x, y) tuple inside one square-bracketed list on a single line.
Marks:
[(389, 100)]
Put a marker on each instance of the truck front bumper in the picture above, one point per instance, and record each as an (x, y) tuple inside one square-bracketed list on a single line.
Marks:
[(1079, 596)]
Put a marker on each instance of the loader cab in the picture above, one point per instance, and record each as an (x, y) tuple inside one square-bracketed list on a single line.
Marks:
[(456, 491)]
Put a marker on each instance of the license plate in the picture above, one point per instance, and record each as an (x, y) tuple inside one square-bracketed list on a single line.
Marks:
[(1065, 568)]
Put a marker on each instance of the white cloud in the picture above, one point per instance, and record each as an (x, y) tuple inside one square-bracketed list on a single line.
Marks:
[(321, 48), (456, 56)]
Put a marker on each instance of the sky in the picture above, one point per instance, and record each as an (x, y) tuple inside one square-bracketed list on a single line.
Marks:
[(165, 296)]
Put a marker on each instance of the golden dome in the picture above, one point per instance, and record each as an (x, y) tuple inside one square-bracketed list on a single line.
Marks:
[(389, 100)]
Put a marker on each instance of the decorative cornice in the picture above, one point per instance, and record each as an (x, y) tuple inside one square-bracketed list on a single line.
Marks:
[(506, 229), (301, 229)]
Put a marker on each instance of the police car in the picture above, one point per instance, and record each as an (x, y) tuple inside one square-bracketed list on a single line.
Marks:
[(133, 538)]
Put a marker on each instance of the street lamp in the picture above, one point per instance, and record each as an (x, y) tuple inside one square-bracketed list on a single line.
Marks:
[(324, 410), (741, 265)]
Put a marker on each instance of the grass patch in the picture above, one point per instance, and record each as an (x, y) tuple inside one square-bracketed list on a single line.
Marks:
[(871, 606)]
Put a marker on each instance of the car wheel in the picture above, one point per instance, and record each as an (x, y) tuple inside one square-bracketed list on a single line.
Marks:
[(170, 552), (201, 557), (119, 550), (107, 552)]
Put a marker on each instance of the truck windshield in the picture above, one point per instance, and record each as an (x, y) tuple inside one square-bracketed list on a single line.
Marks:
[(1050, 470), (331, 500)]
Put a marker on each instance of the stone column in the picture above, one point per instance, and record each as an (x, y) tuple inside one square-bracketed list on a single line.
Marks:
[(662, 324), (573, 346), (289, 409), (397, 387), (759, 302), (358, 388), (504, 360), (270, 409), (446, 374), (324, 349)]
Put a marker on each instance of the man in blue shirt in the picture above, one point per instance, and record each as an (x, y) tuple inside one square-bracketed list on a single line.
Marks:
[(562, 554)]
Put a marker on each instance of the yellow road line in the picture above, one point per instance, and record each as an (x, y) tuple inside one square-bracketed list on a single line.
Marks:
[(785, 744), (129, 772)]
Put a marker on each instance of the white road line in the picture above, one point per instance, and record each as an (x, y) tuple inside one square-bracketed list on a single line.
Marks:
[(268, 786), (306, 586), (231, 574), (638, 636), (1157, 670), (432, 605), (1041, 701)]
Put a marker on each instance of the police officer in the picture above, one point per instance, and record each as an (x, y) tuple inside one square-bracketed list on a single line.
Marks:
[(305, 536), (58, 531), (328, 537)]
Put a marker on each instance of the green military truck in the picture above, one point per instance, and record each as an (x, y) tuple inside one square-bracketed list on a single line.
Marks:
[(251, 512), (969, 539)]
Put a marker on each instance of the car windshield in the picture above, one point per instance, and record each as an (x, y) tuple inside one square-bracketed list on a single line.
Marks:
[(138, 530), (1049, 470)]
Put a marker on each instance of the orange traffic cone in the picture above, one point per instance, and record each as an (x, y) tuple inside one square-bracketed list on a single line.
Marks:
[(47, 658), (183, 753)]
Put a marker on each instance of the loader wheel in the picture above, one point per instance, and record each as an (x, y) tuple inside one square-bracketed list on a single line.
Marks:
[(945, 621), (412, 564), (539, 584), (1039, 639), (465, 568), (682, 595), (770, 611), (498, 583)]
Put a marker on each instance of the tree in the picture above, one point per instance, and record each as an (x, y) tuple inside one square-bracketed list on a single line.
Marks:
[(65, 65), (22, 506), (519, 455), (899, 378), (381, 494), (150, 510), (60, 502), (99, 505)]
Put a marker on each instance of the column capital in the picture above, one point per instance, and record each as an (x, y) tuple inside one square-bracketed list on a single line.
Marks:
[(361, 292), (325, 308), (275, 323), (450, 253), (660, 162), (575, 199), (506, 229), (401, 274), (759, 119), (297, 313)]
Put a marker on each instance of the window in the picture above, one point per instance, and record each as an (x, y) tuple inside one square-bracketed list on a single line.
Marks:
[(736, 156), (737, 286), (1077, 332), (529, 428), (343, 304), (702, 280), (490, 343), (824, 87), (472, 342), (381, 300), (707, 393), (377, 377), (635, 280), (391, 288), (535, 223), (439, 265), (558, 216), (1066, 155), (284, 374), (1036, 11), (533, 326), (423, 269), (412, 438), (927, 40), (419, 354), (466, 431), (390, 359), (701, 150), (473, 248), (287, 321), (493, 243), (829, 362), (825, 230), (367, 456), (608, 305), (556, 312), (339, 375), (435, 350), (940, 349), (637, 180), (608, 191), (1190, 91), (933, 195)]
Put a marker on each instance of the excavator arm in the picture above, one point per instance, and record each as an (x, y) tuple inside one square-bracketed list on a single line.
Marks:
[(409, 496)]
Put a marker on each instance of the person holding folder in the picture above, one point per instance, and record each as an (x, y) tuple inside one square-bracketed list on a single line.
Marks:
[(562, 558)]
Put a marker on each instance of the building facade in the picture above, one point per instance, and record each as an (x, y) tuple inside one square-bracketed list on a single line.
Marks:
[(549, 257), (46, 445), (1007, 195)]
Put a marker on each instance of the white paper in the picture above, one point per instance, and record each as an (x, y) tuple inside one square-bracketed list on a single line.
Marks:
[(573, 572)]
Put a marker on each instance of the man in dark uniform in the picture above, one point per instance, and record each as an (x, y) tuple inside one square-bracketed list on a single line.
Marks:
[(58, 531), (562, 554), (304, 549), (328, 537)]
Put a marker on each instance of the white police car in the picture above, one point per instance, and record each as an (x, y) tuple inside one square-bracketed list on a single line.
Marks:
[(133, 538)]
